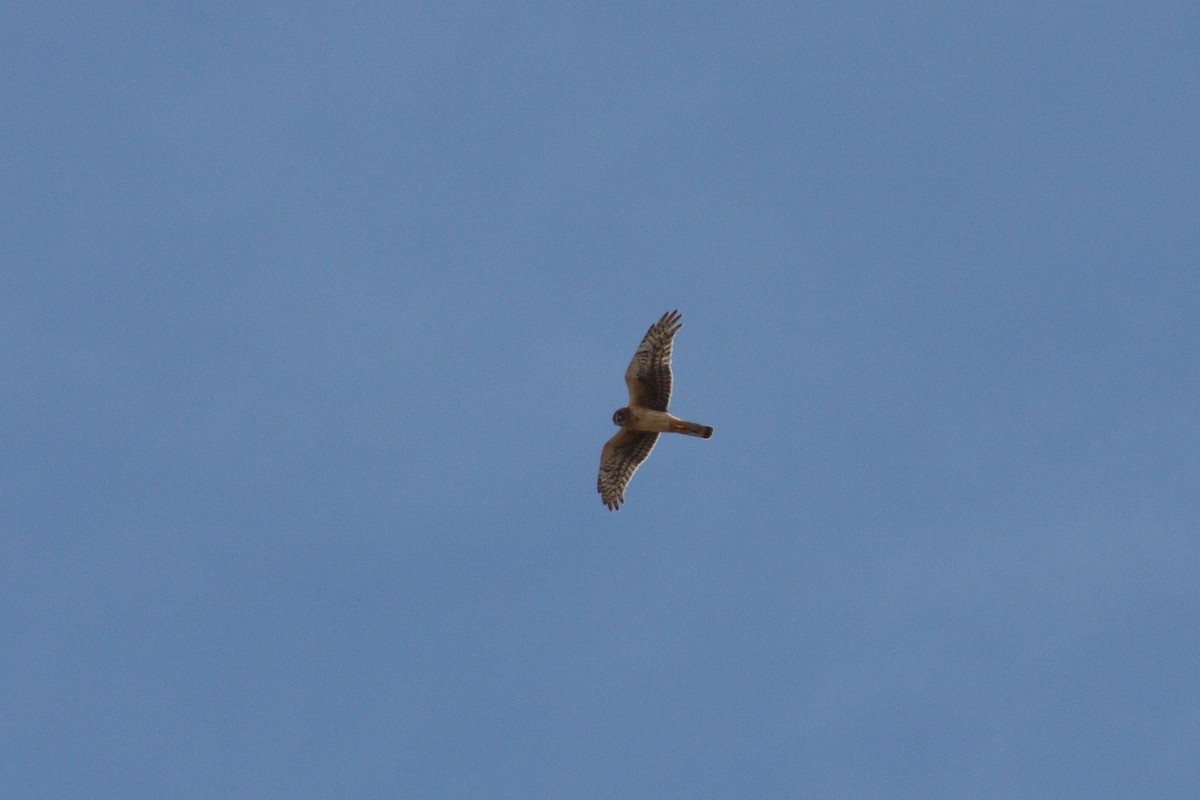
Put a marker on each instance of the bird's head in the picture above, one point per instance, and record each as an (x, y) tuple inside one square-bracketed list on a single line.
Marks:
[(621, 416)]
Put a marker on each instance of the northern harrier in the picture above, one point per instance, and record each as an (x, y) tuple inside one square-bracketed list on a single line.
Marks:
[(649, 380)]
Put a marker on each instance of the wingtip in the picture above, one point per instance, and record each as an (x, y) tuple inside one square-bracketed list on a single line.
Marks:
[(611, 503)]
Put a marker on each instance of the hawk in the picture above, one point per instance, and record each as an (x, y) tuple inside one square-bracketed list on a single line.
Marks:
[(649, 380)]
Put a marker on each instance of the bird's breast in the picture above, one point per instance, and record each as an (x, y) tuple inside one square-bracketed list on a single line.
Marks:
[(645, 419)]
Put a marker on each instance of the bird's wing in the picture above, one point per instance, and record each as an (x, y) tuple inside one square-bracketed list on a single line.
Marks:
[(649, 373), (619, 459)]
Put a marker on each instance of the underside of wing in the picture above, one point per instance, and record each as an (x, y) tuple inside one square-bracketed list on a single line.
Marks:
[(621, 457), (649, 374)]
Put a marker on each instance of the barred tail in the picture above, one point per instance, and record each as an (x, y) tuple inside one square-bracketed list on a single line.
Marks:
[(692, 429)]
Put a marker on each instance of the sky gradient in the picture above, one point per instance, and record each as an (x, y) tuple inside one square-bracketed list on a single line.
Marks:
[(315, 318)]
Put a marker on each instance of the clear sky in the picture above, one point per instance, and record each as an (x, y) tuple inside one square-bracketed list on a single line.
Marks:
[(313, 319)]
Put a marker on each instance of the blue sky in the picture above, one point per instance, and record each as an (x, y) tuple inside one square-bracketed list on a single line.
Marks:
[(315, 317)]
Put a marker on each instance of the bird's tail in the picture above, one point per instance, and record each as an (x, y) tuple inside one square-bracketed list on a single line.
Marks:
[(692, 428)]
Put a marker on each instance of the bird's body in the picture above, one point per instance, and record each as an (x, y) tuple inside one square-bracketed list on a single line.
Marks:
[(649, 381), (651, 421)]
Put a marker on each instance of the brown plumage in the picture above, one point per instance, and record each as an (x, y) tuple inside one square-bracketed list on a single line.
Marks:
[(649, 381)]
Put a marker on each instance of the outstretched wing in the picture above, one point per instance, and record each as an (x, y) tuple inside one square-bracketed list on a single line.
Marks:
[(649, 373), (619, 459)]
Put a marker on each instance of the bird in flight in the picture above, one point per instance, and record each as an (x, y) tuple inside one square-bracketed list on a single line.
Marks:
[(649, 380)]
